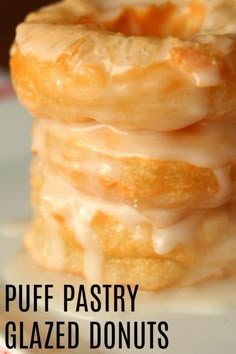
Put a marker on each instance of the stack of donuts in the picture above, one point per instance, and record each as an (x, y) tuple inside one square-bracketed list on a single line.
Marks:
[(134, 138)]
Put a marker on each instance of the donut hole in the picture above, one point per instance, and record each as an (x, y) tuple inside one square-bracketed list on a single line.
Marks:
[(164, 20)]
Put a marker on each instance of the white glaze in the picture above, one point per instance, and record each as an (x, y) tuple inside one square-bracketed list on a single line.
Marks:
[(167, 239), (31, 42), (41, 41), (225, 188), (207, 76), (211, 144)]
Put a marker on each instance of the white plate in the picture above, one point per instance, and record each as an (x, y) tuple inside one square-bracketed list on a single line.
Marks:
[(201, 320)]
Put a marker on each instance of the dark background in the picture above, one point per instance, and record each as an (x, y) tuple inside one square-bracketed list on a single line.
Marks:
[(13, 12)]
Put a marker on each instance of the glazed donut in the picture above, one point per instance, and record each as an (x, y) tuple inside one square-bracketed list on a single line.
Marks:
[(111, 63), (146, 169)]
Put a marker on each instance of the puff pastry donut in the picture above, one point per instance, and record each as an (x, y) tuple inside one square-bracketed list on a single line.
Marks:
[(134, 138)]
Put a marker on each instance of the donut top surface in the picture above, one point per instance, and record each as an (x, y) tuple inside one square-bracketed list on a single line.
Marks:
[(150, 18), (130, 64)]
